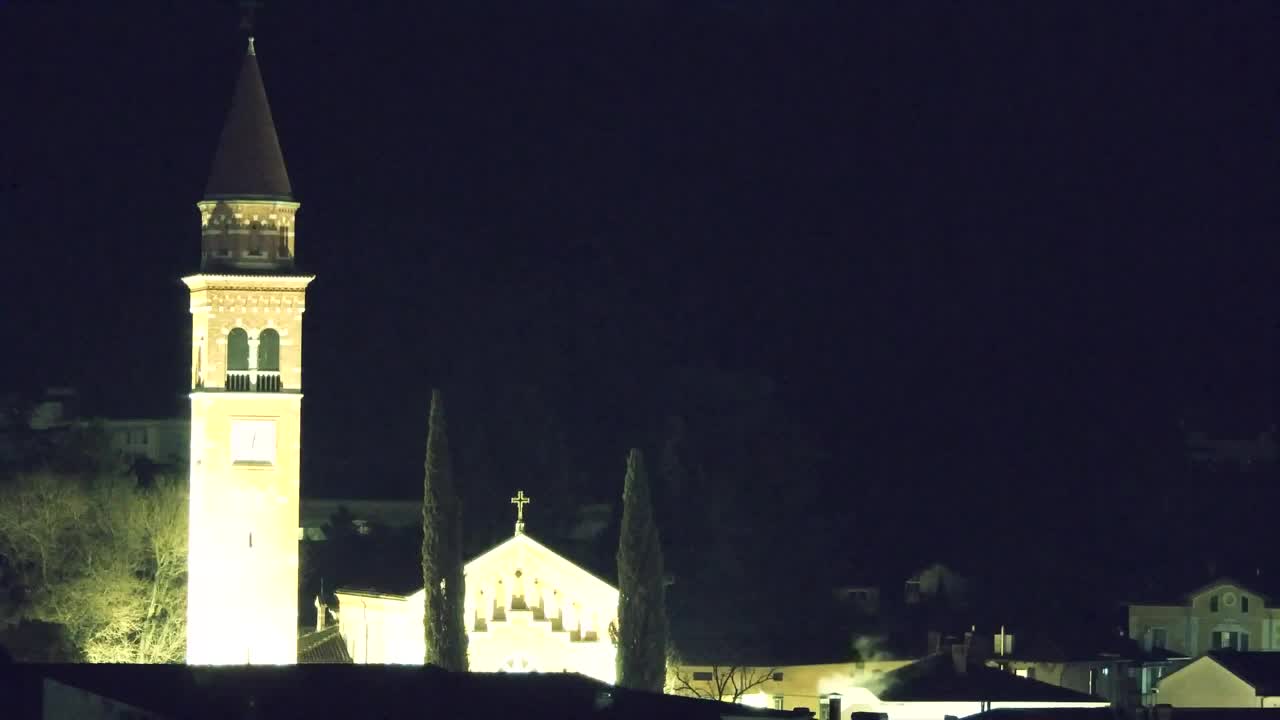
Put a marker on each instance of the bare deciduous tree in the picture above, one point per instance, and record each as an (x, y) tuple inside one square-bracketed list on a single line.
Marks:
[(727, 683), (103, 559)]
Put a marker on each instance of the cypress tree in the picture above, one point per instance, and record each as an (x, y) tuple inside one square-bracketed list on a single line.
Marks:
[(642, 615), (442, 623)]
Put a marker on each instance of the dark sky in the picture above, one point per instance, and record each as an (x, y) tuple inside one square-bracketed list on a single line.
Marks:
[(973, 244)]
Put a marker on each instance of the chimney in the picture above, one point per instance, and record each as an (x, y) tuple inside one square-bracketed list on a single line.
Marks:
[(960, 657), (321, 610)]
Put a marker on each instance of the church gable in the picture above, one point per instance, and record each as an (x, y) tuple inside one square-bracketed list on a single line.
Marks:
[(522, 575), (521, 551), (528, 608)]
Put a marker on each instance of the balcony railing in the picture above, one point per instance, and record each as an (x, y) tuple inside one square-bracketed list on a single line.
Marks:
[(254, 381)]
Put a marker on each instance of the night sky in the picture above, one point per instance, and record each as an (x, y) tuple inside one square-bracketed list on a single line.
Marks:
[(987, 255)]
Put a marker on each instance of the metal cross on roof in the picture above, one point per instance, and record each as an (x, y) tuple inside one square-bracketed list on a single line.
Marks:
[(520, 501)]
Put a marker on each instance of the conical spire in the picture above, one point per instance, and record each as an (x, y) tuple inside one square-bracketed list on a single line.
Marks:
[(248, 163)]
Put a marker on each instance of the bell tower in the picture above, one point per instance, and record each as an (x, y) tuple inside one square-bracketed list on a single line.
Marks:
[(246, 396)]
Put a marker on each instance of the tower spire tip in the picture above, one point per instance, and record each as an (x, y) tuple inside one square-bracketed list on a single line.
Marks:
[(251, 52)]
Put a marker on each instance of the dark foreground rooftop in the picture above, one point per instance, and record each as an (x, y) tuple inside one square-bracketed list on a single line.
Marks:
[(1135, 714), (344, 691), (939, 678)]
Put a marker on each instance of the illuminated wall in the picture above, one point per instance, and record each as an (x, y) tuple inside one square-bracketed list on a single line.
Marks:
[(527, 609), (792, 686), (1205, 683), (245, 440)]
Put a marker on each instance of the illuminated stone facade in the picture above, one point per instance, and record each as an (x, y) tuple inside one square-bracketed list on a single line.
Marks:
[(527, 609), (246, 394)]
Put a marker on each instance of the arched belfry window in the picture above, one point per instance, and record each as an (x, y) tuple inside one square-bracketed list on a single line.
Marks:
[(269, 350), (268, 375), (238, 360)]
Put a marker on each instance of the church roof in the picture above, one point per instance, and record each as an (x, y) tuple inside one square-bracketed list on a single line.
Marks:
[(248, 163), (403, 580), (524, 538)]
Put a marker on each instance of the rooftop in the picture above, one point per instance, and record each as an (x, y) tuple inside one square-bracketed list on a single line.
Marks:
[(248, 163), (1260, 669), (355, 691), (936, 679)]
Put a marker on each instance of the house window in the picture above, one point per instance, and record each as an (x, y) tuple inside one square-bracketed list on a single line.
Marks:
[(1213, 604), (777, 702), (1229, 640), (777, 677), (704, 676), (1159, 638), (1244, 603)]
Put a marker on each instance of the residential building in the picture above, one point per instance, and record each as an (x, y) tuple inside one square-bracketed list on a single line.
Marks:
[(160, 441), (952, 684), (1225, 613)]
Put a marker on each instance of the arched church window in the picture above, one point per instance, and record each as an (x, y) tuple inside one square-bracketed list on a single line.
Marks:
[(269, 350), (238, 360), (268, 361)]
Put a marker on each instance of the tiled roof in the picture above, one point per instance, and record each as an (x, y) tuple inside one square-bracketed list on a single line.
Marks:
[(935, 679), (248, 163), (324, 646)]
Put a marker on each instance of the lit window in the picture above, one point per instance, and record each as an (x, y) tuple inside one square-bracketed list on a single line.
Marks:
[(1022, 672)]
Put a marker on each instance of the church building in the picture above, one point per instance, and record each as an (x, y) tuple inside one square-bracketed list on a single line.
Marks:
[(246, 397), (527, 609)]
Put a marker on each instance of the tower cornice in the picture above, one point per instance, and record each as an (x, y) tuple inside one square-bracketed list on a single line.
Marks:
[(247, 281)]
